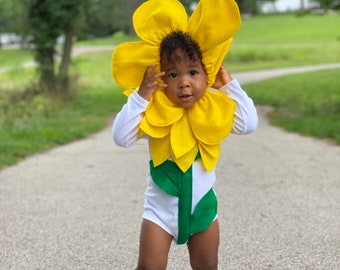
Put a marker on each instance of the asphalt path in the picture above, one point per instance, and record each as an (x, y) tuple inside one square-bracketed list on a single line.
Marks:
[(79, 206)]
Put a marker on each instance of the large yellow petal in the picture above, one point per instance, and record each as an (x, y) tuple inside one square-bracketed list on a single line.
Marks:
[(154, 19), (214, 22), (212, 117), (161, 111), (182, 138), (129, 61), (160, 150)]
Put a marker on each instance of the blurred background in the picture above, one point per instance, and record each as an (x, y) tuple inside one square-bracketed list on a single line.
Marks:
[(55, 66), (98, 18)]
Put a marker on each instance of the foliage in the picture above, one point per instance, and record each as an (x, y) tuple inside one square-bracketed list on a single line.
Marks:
[(325, 4), (47, 20), (22, 104), (104, 17), (248, 6), (10, 21)]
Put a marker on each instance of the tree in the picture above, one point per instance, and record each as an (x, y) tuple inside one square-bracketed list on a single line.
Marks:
[(10, 17), (48, 20), (248, 6), (324, 4)]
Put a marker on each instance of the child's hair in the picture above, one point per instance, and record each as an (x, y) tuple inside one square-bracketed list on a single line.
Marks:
[(180, 40)]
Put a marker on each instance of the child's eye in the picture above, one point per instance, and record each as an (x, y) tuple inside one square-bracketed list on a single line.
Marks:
[(193, 72), (172, 75)]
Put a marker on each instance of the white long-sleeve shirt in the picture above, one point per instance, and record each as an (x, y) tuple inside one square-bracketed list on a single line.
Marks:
[(125, 133)]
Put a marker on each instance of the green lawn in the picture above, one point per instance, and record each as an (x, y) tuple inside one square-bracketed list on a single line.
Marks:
[(285, 40), (13, 57), (305, 103), (40, 124)]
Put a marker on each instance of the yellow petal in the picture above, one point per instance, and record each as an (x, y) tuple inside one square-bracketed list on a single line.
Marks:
[(160, 150), (161, 111), (213, 60), (154, 131), (185, 162), (214, 22), (209, 155), (215, 106), (154, 19), (182, 139), (212, 25), (128, 92), (129, 61)]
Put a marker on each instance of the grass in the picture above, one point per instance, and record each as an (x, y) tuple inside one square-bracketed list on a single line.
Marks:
[(88, 114), (12, 57), (280, 40), (285, 40), (53, 125), (116, 38), (306, 103), (288, 29)]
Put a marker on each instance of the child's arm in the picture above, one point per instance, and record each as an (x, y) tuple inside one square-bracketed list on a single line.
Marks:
[(126, 124), (245, 116)]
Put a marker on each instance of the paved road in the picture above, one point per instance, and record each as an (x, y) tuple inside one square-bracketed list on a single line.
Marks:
[(79, 206)]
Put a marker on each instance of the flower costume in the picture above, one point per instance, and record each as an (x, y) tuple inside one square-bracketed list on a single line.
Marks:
[(181, 141)]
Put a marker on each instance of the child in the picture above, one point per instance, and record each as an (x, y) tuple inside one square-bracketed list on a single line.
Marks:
[(185, 123)]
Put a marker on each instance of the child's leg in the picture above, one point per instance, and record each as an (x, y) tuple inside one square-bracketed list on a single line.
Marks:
[(154, 247), (203, 248)]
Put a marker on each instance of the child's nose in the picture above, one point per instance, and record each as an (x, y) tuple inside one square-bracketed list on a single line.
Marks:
[(184, 82)]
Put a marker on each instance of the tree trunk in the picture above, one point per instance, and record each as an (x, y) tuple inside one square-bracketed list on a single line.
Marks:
[(66, 53), (46, 64)]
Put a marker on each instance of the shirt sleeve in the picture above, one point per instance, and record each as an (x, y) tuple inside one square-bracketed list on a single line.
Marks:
[(245, 115), (126, 124)]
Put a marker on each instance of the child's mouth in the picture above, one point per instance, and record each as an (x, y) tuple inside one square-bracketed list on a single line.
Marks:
[(185, 98)]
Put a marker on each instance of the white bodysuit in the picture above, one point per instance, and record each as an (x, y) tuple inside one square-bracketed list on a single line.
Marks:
[(159, 207)]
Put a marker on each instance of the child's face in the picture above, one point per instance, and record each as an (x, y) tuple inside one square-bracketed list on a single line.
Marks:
[(186, 79)]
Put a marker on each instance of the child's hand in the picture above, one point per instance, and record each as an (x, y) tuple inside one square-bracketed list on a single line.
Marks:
[(149, 84), (222, 78)]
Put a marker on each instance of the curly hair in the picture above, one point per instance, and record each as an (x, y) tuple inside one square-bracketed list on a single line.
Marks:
[(181, 40)]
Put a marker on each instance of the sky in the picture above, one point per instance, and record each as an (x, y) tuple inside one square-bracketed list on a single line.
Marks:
[(285, 5)]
